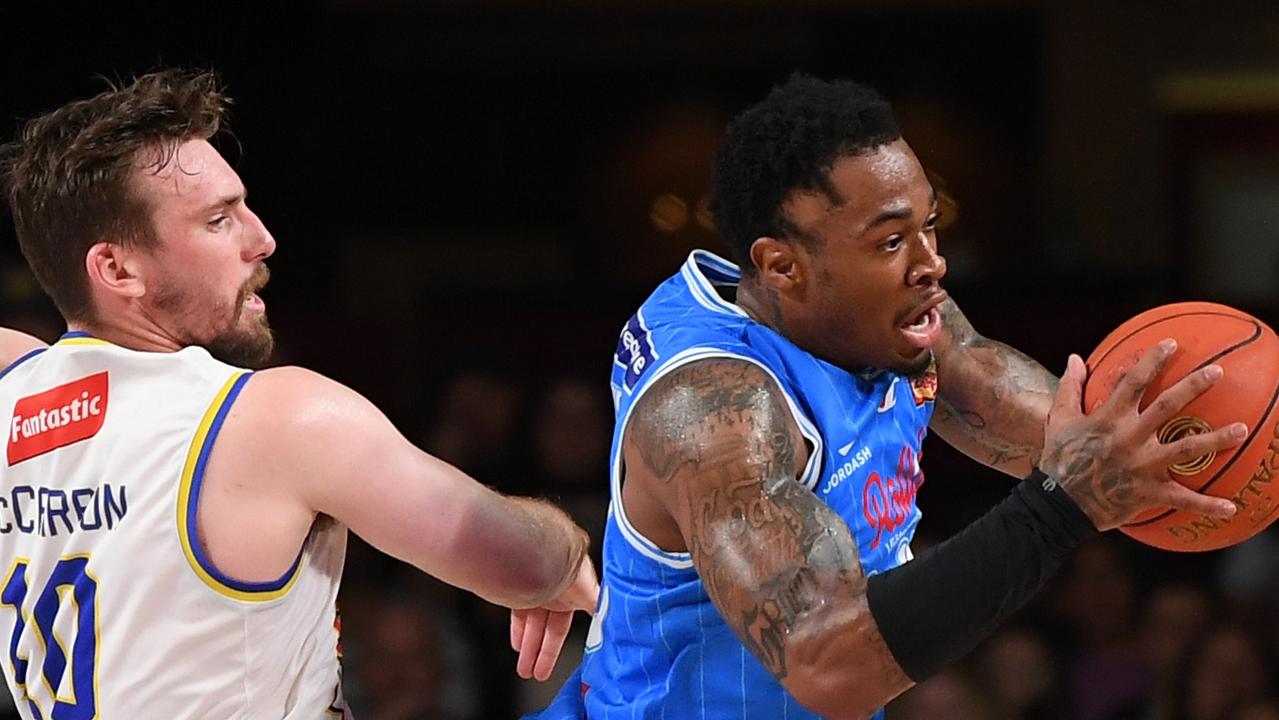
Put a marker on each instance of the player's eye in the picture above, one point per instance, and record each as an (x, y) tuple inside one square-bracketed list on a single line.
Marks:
[(892, 243), (931, 223), (219, 222)]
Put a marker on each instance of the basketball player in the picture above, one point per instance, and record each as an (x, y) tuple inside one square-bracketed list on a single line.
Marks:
[(766, 452), (173, 526)]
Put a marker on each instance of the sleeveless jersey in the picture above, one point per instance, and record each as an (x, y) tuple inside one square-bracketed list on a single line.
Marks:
[(109, 607), (657, 647)]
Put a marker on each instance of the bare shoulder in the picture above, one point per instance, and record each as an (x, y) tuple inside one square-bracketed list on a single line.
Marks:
[(303, 396), (301, 423), (14, 344), (294, 381)]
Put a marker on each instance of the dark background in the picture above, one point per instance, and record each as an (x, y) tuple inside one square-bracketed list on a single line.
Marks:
[(471, 197)]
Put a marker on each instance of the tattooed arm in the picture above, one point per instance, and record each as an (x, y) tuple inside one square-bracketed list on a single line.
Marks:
[(713, 450), (991, 399)]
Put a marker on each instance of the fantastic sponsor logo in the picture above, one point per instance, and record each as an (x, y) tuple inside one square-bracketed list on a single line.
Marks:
[(56, 418)]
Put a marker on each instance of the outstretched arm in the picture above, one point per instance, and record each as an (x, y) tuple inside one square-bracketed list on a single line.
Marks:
[(342, 457), (992, 400), (326, 449)]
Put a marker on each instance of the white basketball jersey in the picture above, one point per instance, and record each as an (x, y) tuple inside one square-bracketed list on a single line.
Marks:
[(109, 607)]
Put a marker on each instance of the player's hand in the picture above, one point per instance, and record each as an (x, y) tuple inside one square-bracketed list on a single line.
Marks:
[(538, 634), (1111, 461)]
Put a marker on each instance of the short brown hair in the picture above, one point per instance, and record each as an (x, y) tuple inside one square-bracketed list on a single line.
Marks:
[(67, 176)]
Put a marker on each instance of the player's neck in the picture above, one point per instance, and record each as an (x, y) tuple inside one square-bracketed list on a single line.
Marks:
[(762, 305), (773, 310), (134, 333)]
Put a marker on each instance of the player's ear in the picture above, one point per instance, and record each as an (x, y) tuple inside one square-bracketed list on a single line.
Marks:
[(777, 264), (114, 269)]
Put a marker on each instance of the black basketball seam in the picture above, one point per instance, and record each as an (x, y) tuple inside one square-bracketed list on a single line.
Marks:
[(1251, 435), (1255, 326)]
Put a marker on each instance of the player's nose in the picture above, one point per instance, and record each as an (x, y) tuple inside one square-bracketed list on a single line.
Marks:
[(927, 265), (259, 242)]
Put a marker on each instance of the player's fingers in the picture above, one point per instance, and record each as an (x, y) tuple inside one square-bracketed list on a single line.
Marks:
[(1171, 401), (1192, 447), (534, 627), (1128, 393), (1068, 402), (517, 629), (1181, 497), (557, 625)]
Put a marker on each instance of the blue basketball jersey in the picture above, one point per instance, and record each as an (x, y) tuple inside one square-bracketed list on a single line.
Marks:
[(657, 647)]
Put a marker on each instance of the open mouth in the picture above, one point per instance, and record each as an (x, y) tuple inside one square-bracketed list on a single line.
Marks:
[(922, 330), (254, 302)]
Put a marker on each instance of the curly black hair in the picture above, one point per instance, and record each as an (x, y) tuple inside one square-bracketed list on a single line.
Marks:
[(790, 142)]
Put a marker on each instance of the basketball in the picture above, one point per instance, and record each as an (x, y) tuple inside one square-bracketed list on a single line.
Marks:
[(1248, 350)]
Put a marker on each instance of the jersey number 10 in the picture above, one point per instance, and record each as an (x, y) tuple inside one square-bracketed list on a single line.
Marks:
[(71, 582)]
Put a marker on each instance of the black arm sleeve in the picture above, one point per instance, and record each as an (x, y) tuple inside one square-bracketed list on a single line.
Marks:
[(936, 608)]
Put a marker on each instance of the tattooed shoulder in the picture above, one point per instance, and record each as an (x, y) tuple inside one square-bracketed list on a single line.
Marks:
[(771, 555), (717, 411)]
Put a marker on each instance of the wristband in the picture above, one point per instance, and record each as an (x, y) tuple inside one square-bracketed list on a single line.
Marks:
[(936, 608)]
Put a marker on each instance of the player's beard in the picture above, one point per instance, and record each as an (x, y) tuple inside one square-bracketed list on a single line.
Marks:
[(248, 347), (244, 344)]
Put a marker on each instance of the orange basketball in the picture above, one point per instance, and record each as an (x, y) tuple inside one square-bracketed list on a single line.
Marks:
[(1248, 350)]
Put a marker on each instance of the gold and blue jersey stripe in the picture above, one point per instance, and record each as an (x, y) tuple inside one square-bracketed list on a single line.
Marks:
[(189, 503)]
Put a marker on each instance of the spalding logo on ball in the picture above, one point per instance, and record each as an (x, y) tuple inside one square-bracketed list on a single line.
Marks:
[(1248, 350)]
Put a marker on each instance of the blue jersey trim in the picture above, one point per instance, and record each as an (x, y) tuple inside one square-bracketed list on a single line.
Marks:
[(702, 288), (716, 269), (21, 360), (197, 480)]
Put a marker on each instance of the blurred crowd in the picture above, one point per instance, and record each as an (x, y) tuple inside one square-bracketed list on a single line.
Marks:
[(1122, 633)]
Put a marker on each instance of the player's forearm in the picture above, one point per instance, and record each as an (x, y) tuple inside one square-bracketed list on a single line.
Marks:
[(524, 552), (782, 568), (559, 549), (992, 399), (902, 626), (838, 663)]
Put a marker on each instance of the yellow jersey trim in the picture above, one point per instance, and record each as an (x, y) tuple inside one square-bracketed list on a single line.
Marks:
[(188, 502)]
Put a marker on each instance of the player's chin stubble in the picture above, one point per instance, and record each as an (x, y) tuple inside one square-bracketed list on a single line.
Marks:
[(250, 348)]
